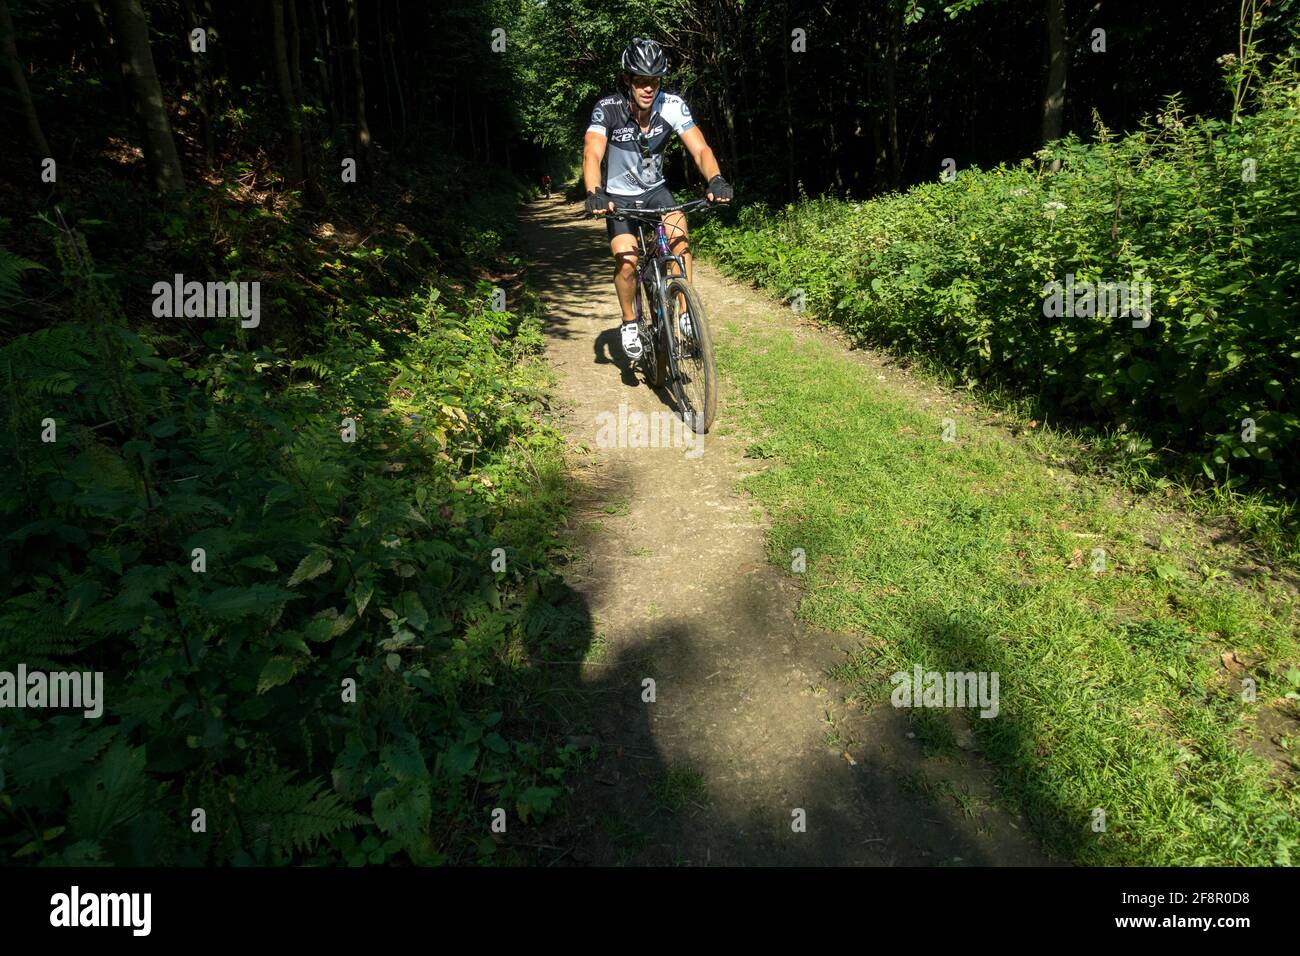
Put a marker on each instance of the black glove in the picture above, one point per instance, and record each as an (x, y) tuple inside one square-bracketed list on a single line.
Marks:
[(597, 201), (721, 189)]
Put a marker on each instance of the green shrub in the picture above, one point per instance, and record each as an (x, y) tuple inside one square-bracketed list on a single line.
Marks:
[(956, 271), (322, 561)]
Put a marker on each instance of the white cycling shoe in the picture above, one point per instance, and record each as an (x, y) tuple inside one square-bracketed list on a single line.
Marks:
[(685, 327), (632, 347)]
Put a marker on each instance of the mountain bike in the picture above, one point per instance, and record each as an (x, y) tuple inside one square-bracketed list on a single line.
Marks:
[(677, 346)]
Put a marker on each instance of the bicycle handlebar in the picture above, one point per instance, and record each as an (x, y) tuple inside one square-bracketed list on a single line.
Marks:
[(634, 212)]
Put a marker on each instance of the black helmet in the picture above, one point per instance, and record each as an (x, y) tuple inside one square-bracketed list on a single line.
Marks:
[(644, 58)]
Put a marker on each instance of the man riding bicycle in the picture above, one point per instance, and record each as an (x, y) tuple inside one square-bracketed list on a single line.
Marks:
[(636, 121)]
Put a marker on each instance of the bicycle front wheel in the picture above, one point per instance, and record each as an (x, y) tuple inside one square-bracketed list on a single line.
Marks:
[(690, 354), (654, 358)]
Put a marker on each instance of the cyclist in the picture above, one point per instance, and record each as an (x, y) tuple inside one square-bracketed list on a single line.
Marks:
[(546, 185), (636, 122)]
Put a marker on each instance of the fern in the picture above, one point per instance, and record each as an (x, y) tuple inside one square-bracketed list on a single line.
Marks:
[(11, 269), (33, 631), (281, 816), (50, 758)]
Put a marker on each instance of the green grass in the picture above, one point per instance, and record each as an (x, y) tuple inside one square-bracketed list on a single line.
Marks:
[(1270, 518), (679, 788), (618, 507), (598, 650), (975, 555), (626, 835), (933, 731)]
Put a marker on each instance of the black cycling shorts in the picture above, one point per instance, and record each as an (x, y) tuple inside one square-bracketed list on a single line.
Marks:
[(655, 198)]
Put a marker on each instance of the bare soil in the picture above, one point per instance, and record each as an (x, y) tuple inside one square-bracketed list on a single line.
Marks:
[(746, 728)]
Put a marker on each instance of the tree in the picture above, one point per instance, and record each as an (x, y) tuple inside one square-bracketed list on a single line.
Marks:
[(9, 51), (203, 88), (1057, 62), (362, 127), (285, 86), (1059, 44), (325, 79), (146, 96)]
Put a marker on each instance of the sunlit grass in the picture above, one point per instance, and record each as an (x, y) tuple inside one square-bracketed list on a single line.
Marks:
[(978, 554)]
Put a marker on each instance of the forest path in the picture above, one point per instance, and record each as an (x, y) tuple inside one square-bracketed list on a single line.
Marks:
[(746, 728)]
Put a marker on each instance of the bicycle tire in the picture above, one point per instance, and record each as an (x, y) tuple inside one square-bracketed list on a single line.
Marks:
[(654, 357), (694, 376)]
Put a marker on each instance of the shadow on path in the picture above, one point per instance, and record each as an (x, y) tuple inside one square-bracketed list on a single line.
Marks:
[(675, 595)]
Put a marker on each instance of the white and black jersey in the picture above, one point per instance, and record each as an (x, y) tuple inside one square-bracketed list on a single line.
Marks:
[(634, 163)]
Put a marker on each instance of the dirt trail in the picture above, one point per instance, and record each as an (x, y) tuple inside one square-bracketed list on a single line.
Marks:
[(746, 727)]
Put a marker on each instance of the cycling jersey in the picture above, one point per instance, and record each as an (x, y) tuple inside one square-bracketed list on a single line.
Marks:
[(634, 163)]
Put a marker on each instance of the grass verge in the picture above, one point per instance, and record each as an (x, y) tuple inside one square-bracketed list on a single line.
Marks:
[(1121, 689)]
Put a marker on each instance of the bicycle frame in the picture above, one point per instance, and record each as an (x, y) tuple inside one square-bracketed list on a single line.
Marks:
[(655, 259), (664, 335), (656, 264)]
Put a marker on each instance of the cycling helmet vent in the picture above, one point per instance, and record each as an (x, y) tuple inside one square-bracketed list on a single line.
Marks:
[(644, 58)]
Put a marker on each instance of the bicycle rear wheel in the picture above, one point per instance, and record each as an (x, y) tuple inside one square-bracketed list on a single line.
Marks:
[(690, 353)]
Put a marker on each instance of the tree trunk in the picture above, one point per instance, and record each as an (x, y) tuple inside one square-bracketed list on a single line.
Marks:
[(362, 127), (469, 121), (728, 97), (203, 95), (111, 61), (383, 69), (451, 140), (9, 50), (284, 85), (295, 50), (217, 61), (742, 75), (789, 111), (878, 109), (826, 110), (729, 117), (1057, 60), (891, 91), (338, 28), (321, 40), (146, 95), (397, 76)]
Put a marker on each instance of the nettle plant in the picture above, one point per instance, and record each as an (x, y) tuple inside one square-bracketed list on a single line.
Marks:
[(955, 272), (301, 635)]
